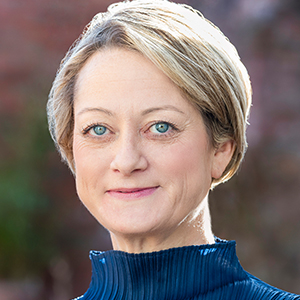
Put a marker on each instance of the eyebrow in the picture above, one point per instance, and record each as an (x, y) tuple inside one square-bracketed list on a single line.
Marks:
[(165, 107), (95, 109), (145, 112)]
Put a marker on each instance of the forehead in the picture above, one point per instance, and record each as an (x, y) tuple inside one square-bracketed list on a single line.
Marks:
[(118, 76)]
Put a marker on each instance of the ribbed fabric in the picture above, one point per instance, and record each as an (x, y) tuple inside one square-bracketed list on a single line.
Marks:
[(206, 272)]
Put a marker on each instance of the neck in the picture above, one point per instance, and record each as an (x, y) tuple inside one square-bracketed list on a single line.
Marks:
[(195, 229)]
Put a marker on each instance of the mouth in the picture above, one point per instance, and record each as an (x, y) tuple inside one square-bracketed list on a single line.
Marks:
[(132, 193)]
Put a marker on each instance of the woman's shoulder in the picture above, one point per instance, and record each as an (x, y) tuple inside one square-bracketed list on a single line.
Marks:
[(244, 285), (263, 291), (250, 288)]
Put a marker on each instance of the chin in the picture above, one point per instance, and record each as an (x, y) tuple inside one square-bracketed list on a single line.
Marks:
[(133, 227)]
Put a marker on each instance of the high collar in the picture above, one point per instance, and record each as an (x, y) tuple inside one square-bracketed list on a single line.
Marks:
[(177, 273)]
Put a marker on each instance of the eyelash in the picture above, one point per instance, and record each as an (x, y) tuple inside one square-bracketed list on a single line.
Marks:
[(86, 129), (173, 127)]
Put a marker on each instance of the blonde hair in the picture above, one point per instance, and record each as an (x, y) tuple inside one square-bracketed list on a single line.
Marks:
[(188, 48)]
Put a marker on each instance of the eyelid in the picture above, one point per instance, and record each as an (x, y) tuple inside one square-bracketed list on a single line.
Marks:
[(174, 128), (86, 129), (171, 124)]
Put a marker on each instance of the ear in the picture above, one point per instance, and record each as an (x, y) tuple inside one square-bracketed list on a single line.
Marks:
[(222, 157)]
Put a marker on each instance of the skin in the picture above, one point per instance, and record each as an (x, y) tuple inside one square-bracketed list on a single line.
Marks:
[(147, 184)]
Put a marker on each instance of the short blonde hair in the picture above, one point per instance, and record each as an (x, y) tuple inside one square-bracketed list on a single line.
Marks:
[(188, 48)]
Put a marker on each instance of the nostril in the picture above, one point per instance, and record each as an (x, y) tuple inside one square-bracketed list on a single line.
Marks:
[(127, 163)]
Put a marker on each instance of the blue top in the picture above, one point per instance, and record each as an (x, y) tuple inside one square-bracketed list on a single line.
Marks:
[(206, 272)]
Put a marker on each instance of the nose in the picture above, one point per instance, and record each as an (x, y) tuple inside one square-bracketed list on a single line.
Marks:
[(129, 156)]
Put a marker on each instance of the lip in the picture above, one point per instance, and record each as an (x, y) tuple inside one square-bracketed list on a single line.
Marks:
[(131, 193)]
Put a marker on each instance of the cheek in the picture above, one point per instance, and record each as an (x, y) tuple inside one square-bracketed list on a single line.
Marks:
[(89, 172), (78, 151), (82, 158), (88, 163), (82, 166), (184, 158)]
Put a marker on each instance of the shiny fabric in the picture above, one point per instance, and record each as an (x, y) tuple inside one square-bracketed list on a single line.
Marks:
[(206, 272)]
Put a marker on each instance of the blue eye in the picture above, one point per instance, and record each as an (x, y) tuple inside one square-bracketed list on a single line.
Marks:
[(99, 130), (162, 127)]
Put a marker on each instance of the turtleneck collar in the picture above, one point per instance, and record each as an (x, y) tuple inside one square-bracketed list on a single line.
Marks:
[(177, 273)]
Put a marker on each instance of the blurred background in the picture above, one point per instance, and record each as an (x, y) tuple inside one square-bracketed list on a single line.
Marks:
[(46, 233)]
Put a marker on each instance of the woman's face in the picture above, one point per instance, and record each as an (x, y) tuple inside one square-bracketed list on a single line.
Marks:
[(143, 159)]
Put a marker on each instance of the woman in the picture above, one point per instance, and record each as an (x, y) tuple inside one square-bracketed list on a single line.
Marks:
[(149, 110)]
